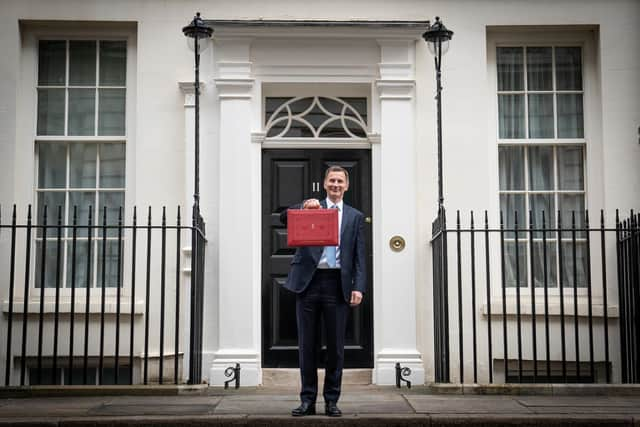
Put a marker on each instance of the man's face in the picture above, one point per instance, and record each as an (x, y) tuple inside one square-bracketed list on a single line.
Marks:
[(335, 184)]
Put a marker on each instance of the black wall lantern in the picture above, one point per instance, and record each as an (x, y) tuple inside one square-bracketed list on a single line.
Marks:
[(198, 35), (437, 37)]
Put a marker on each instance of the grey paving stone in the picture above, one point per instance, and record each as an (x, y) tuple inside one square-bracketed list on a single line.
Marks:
[(27, 423), (527, 421), (579, 401), (260, 397), (466, 405), (41, 407), (596, 410), (154, 409), (257, 407), (160, 400), (375, 407)]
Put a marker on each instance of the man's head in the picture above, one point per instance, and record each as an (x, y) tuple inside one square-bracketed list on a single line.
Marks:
[(336, 183)]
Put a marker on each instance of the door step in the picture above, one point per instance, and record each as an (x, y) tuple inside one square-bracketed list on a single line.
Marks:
[(272, 377)]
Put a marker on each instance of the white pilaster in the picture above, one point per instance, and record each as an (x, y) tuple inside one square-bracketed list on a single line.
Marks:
[(394, 213), (238, 308)]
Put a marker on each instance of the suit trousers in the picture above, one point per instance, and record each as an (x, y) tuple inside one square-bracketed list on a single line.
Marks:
[(322, 298)]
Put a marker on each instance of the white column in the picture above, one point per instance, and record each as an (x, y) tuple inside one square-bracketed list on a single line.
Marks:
[(394, 215), (238, 320)]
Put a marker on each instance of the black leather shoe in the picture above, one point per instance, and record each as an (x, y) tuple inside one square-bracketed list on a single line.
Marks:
[(306, 408), (331, 409)]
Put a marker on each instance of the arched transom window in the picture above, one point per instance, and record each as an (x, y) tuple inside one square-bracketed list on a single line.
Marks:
[(315, 117)]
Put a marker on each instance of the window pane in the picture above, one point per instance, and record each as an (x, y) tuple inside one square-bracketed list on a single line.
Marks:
[(51, 62), (511, 160), (111, 112), (541, 168), (82, 107), (113, 200), (567, 261), (80, 262), (359, 104), (51, 199), (77, 376), (510, 68), (47, 376), (513, 270), (571, 204), (82, 168), (539, 273), (511, 116), (83, 200), (540, 116), (110, 264), (51, 266), (570, 168), (52, 165), (334, 129), (539, 68), (109, 375), (570, 118), (299, 129), (271, 105), (510, 206), (50, 112), (82, 63), (112, 161), (113, 63), (568, 68), (542, 204)]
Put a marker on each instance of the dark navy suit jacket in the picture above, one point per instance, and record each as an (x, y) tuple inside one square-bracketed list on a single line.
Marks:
[(353, 269)]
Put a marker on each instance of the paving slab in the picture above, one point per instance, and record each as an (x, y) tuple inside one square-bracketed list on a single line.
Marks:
[(258, 407), (579, 401), (160, 400), (151, 409), (466, 405), (527, 421)]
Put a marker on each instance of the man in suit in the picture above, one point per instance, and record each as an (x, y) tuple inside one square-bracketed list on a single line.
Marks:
[(327, 281)]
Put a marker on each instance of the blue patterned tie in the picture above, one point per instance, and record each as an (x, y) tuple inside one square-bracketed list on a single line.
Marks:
[(330, 251)]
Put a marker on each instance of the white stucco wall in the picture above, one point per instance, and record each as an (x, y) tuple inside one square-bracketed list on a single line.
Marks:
[(158, 168)]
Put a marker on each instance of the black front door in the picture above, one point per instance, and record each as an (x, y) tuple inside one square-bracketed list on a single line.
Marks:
[(288, 177)]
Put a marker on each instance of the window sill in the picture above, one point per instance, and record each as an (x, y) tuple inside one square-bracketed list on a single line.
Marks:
[(597, 310), (95, 306)]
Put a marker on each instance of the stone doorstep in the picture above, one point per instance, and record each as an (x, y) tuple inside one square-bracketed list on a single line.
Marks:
[(291, 377)]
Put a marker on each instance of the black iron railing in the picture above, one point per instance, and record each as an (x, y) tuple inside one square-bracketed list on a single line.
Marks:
[(99, 297), (537, 300), (629, 296)]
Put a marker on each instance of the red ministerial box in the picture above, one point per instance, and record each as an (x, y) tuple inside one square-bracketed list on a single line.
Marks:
[(312, 227)]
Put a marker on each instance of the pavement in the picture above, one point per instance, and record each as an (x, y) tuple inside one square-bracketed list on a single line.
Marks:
[(361, 405)]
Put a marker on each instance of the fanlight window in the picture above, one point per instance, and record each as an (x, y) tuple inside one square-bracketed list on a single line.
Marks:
[(316, 117)]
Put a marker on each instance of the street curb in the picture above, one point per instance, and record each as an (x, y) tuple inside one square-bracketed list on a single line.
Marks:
[(416, 420)]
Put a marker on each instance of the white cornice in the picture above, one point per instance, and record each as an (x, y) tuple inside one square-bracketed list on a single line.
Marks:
[(407, 30), (234, 88), (189, 90), (330, 143), (395, 89)]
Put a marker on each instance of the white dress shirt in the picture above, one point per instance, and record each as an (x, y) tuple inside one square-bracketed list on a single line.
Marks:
[(323, 259)]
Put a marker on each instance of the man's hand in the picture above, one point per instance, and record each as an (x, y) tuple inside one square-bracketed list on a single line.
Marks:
[(356, 298), (311, 204)]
